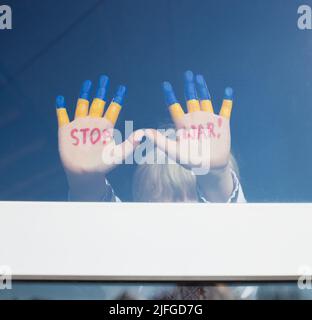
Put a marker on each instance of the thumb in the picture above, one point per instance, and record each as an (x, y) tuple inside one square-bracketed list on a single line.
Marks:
[(125, 149)]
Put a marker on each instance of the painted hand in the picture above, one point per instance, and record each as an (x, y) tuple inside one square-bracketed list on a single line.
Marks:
[(87, 144), (203, 138)]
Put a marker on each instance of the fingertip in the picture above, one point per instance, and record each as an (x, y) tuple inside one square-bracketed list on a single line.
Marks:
[(121, 90), (190, 90), (62, 116), (228, 93), (203, 91), (147, 131), (102, 87), (85, 89), (60, 102), (86, 86), (150, 133), (103, 81), (120, 95), (170, 97), (189, 75), (139, 135), (200, 79), (227, 104), (167, 86)]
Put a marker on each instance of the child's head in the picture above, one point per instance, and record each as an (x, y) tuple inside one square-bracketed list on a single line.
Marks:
[(166, 183)]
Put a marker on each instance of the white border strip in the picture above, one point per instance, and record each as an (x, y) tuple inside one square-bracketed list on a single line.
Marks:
[(155, 242)]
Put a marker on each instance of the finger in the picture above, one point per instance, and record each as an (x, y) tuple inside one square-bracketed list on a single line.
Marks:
[(62, 116), (204, 95), (175, 108), (98, 103), (125, 149), (227, 104), (82, 107), (190, 92), (163, 143), (114, 109)]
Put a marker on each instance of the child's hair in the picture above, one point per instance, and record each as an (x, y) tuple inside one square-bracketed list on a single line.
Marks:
[(194, 292), (163, 183), (167, 183)]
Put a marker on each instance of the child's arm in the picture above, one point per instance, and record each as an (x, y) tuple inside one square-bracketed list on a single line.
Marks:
[(203, 141), (216, 186), (87, 147)]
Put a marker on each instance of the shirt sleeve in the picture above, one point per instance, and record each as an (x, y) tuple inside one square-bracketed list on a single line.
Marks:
[(109, 195), (237, 195)]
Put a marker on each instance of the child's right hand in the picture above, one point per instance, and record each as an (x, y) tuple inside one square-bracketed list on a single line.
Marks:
[(87, 147)]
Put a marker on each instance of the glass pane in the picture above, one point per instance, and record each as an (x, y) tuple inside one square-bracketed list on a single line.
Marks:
[(259, 48), (162, 291)]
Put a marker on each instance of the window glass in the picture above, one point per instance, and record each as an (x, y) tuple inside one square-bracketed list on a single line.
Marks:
[(262, 49)]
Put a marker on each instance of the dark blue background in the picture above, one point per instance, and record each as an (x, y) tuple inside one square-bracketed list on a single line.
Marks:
[(253, 46)]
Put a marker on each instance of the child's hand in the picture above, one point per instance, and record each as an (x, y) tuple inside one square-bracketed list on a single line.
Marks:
[(86, 145), (203, 138)]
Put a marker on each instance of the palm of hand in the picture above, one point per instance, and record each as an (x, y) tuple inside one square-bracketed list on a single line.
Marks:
[(82, 143), (204, 140)]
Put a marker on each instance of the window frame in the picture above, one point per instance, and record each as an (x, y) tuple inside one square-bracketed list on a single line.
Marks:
[(155, 242)]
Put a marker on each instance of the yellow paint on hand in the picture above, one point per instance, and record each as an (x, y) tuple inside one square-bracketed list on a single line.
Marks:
[(206, 105), (82, 108), (97, 108), (112, 112), (176, 111), (193, 105), (226, 109), (62, 117)]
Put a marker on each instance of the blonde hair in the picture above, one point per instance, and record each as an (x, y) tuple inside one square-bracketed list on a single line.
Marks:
[(167, 183), (163, 183)]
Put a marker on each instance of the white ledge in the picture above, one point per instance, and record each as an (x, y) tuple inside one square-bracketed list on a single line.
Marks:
[(123, 241)]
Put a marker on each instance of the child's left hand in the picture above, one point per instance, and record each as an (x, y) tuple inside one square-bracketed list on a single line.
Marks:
[(203, 137)]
